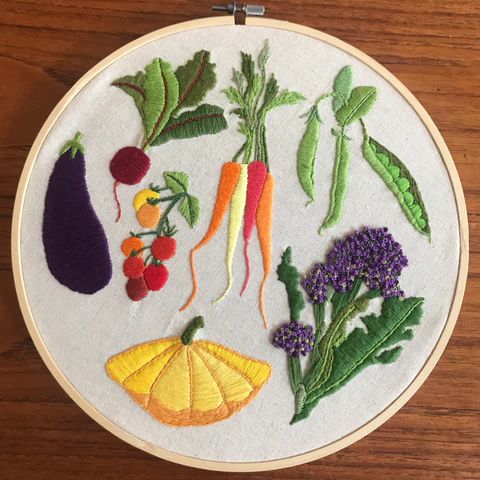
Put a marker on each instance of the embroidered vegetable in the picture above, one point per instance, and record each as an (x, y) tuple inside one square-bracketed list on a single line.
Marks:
[(289, 276), (236, 215), (136, 289), (264, 228), (185, 382), (254, 96), (378, 344), (148, 215), (339, 183), (133, 267), (142, 197), (228, 181), (295, 338), (257, 173), (128, 166), (400, 181), (152, 270), (307, 153), (76, 247), (351, 105), (160, 95), (131, 244), (164, 248), (348, 109), (369, 258), (155, 276)]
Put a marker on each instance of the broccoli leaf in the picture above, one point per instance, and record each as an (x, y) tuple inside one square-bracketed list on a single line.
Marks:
[(378, 344)]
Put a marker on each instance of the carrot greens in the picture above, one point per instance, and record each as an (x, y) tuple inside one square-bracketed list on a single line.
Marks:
[(248, 188)]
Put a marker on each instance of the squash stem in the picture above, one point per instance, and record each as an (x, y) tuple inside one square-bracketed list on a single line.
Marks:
[(195, 324)]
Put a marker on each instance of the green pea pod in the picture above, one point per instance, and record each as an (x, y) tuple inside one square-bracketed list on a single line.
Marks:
[(307, 153), (339, 183), (400, 181)]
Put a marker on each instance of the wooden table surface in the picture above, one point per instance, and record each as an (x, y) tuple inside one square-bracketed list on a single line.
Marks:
[(432, 46)]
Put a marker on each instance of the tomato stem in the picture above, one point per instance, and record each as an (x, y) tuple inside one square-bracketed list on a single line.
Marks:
[(174, 200)]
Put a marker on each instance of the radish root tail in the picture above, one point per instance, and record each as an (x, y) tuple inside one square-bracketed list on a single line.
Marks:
[(117, 201)]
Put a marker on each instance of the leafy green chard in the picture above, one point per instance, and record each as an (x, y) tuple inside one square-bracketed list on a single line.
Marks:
[(336, 356), (162, 97)]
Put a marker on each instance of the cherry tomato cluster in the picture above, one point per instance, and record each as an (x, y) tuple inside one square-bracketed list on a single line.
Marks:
[(149, 274)]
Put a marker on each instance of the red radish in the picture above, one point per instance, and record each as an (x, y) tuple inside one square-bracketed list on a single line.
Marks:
[(155, 276), (257, 173), (164, 248), (136, 289), (128, 166), (133, 267)]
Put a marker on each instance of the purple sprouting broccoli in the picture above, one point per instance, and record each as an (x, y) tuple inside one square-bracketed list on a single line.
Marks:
[(370, 254), (295, 338)]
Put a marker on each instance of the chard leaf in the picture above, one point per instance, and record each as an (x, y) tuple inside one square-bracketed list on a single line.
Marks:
[(133, 86), (358, 105), (205, 120), (161, 97), (195, 79)]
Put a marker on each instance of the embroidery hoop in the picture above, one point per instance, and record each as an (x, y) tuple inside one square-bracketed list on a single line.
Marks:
[(242, 466)]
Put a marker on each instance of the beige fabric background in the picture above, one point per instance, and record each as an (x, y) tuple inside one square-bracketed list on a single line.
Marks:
[(82, 332)]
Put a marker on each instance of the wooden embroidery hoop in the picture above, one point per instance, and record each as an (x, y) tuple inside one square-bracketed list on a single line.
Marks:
[(242, 466)]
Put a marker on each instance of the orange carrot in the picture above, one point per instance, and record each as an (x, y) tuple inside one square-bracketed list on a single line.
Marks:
[(264, 227), (226, 186)]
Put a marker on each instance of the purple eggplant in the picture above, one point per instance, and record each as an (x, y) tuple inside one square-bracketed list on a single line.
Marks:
[(75, 243)]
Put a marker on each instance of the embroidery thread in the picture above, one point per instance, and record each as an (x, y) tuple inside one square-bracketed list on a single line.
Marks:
[(254, 95), (351, 105), (152, 274), (160, 95), (185, 382), (75, 244), (369, 260)]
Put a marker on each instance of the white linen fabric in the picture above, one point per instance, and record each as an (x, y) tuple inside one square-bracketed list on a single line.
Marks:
[(81, 332)]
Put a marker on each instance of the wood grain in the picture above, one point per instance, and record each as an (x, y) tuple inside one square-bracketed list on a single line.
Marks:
[(432, 46)]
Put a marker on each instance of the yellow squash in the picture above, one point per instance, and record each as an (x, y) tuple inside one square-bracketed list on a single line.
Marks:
[(183, 382)]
